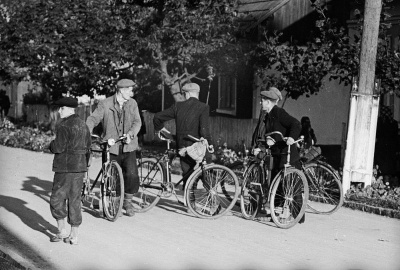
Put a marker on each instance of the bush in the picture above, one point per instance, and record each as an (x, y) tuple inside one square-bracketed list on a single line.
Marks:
[(25, 137), (378, 194)]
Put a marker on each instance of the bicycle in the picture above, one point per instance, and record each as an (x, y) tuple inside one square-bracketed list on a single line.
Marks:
[(325, 187), (204, 193), (111, 182), (286, 196)]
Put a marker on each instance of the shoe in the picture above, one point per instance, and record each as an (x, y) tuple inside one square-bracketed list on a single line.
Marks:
[(71, 240), (58, 237), (127, 205), (129, 209)]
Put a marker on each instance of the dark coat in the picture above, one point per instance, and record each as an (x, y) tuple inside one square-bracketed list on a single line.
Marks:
[(107, 112), (279, 120), (71, 145), (191, 118)]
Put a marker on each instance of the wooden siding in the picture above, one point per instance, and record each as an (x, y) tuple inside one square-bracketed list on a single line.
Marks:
[(230, 130)]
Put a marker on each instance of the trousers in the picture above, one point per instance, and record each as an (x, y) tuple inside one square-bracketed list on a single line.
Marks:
[(128, 164), (65, 199)]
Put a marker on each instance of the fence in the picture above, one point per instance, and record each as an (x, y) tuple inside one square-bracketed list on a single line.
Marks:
[(234, 132)]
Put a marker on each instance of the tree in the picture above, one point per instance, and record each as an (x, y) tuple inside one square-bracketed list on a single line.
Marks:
[(84, 45), (300, 70)]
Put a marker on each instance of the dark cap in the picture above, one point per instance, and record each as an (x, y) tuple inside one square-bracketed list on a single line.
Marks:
[(126, 83), (191, 87), (272, 93), (67, 102)]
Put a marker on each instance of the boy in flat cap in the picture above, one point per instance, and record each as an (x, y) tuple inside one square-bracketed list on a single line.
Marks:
[(119, 115), (70, 147), (273, 118), (191, 118)]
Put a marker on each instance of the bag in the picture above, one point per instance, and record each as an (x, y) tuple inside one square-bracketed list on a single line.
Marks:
[(311, 153)]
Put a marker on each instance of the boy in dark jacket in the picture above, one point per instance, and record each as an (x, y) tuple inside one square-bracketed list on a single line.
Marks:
[(70, 147)]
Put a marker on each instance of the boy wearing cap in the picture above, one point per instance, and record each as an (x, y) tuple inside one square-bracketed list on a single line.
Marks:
[(273, 118), (70, 147), (119, 115), (192, 118)]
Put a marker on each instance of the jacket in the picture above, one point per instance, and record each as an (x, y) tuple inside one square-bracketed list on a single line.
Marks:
[(107, 113), (71, 145), (279, 120), (191, 117)]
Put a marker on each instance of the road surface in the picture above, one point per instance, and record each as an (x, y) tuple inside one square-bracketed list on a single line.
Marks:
[(167, 237)]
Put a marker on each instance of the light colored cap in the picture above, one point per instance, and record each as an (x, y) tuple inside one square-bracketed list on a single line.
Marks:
[(125, 83), (191, 87), (272, 93)]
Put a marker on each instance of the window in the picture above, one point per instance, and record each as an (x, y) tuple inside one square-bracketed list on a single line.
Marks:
[(227, 95)]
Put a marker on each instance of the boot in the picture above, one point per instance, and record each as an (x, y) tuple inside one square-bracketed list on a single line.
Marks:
[(127, 205)]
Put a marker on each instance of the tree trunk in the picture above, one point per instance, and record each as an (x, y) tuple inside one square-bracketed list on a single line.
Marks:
[(358, 163)]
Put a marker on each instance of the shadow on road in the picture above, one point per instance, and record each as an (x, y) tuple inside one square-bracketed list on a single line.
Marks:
[(39, 187), (12, 242), (28, 216)]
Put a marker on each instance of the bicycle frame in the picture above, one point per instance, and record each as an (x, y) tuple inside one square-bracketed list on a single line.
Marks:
[(103, 169)]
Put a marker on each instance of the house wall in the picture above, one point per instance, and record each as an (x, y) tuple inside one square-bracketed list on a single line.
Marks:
[(16, 92), (328, 110)]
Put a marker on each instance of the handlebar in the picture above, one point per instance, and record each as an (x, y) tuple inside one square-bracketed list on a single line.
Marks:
[(109, 142)]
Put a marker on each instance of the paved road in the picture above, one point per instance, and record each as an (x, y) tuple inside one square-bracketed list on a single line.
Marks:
[(169, 238)]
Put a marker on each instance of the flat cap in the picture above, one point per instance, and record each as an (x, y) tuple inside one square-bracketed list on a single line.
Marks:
[(272, 93), (67, 102), (125, 83), (191, 87)]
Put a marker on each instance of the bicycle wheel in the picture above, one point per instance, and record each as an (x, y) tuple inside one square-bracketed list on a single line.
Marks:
[(238, 168), (151, 176), (112, 191), (205, 191), (288, 198), (250, 194), (325, 188)]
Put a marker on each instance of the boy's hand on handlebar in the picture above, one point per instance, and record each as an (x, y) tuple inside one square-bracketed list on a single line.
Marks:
[(290, 141), (255, 151)]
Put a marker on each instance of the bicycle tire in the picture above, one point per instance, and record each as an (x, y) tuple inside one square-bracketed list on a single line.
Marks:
[(325, 188), (151, 176), (250, 193), (204, 193), (112, 189), (286, 210), (239, 169)]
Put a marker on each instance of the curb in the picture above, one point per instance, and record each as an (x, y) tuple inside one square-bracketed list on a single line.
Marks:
[(8, 263), (372, 209)]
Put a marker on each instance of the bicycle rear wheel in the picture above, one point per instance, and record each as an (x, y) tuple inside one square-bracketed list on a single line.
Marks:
[(206, 191), (112, 191), (151, 176), (250, 194), (326, 192), (289, 195)]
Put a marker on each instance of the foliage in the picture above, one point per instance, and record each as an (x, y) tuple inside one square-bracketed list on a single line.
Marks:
[(300, 70), (84, 45), (25, 137), (383, 191), (35, 98), (344, 50)]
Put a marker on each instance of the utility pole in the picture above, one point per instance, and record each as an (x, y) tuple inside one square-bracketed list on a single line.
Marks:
[(364, 104)]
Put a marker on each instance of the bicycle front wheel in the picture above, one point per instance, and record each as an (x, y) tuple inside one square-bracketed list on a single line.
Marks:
[(289, 195), (251, 191), (151, 176), (207, 188), (112, 189), (326, 192)]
